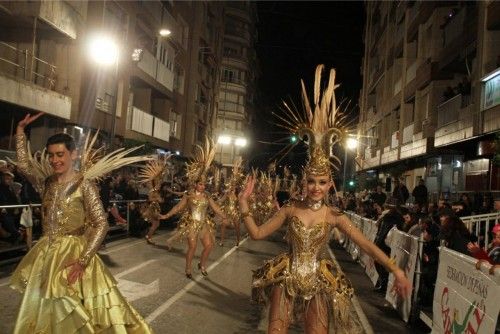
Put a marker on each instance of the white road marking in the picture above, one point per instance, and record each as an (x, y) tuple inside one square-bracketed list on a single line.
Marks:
[(131, 269), (163, 307), (135, 290), (362, 316)]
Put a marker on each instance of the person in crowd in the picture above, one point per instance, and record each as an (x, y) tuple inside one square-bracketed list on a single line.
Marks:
[(196, 223), (390, 217), (409, 219), (9, 216), (400, 192), (300, 284), (430, 260), (493, 253), (378, 196), (453, 232), (65, 284), (420, 194)]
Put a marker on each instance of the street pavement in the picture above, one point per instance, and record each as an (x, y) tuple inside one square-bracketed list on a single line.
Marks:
[(152, 278)]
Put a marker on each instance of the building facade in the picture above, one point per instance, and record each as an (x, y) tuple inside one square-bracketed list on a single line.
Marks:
[(238, 75), (429, 105), (162, 88)]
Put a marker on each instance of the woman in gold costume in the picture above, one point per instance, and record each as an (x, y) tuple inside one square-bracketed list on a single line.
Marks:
[(195, 223), (301, 284), (66, 287), (229, 203), (153, 173)]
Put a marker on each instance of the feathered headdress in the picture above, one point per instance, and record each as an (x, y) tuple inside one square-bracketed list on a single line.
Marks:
[(203, 157), (154, 172), (237, 176), (322, 125)]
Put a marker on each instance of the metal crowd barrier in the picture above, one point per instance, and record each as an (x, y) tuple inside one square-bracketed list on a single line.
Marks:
[(15, 252), (479, 224)]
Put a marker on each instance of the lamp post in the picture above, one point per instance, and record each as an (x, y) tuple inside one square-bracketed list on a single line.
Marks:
[(104, 51), (351, 144)]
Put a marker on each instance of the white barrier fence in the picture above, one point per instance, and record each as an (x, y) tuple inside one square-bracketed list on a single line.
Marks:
[(465, 298)]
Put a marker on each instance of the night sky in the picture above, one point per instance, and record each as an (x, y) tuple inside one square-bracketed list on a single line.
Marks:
[(293, 38)]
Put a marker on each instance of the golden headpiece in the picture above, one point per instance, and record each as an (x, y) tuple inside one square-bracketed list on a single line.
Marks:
[(154, 172), (197, 169), (237, 176), (322, 126)]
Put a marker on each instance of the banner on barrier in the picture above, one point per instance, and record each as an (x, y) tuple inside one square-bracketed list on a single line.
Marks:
[(404, 249), (466, 300), (370, 231)]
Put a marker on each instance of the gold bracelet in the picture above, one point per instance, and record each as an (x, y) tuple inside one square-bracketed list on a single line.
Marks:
[(246, 214), (391, 265)]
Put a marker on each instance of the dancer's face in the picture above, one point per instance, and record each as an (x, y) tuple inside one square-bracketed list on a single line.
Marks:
[(317, 186), (200, 187), (60, 158)]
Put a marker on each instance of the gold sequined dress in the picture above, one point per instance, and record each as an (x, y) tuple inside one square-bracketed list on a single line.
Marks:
[(306, 277), (230, 207), (74, 225), (195, 219)]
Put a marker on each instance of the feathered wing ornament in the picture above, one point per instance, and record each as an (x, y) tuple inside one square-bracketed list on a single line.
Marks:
[(39, 163), (203, 158), (154, 172), (322, 124), (95, 164)]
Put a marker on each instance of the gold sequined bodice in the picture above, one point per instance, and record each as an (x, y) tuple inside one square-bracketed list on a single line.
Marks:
[(63, 210), (306, 244), (198, 208)]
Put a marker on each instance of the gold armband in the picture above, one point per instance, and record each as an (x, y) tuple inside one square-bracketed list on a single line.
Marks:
[(391, 265), (246, 214)]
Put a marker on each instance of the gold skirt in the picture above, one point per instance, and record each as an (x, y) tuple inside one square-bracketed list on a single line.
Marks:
[(331, 295), (91, 305)]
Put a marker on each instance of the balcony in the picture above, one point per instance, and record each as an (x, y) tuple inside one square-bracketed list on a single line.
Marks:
[(459, 38), (454, 122), (413, 21), (233, 84), (29, 81), (429, 71), (413, 144), (156, 70), (149, 125), (372, 158), (389, 154), (60, 15)]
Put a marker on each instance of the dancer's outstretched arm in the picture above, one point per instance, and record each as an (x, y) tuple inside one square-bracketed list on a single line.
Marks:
[(402, 285), (176, 209), (258, 232), (217, 209)]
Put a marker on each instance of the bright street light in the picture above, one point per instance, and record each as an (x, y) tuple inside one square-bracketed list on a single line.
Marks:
[(241, 142), (165, 32), (224, 140), (352, 143), (103, 50)]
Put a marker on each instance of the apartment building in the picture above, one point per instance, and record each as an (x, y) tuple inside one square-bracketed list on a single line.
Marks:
[(429, 105), (159, 85), (238, 74)]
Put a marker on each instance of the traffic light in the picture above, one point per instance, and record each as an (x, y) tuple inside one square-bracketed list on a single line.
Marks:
[(351, 183), (293, 139)]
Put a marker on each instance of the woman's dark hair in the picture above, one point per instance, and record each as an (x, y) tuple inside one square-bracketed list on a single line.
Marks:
[(454, 224), (62, 138)]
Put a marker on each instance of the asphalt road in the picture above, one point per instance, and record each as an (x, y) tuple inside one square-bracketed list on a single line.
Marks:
[(153, 280)]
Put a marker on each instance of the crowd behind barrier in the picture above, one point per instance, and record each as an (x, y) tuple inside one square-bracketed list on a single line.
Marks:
[(466, 290)]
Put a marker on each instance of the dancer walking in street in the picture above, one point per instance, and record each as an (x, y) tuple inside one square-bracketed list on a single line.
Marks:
[(301, 284), (195, 222), (66, 286)]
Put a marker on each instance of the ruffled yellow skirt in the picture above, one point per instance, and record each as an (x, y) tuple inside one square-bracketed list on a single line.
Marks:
[(92, 305)]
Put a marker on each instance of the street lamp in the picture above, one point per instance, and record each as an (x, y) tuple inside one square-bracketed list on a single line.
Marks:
[(105, 52), (351, 144)]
